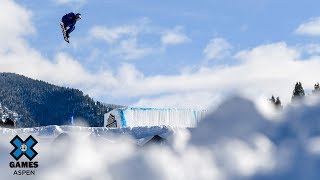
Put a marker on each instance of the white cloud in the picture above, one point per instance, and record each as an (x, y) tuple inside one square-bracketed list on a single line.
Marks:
[(128, 49), (125, 40), (311, 27), (217, 48), (175, 36), (15, 22), (111, 35), (263, 71), (274, 52)]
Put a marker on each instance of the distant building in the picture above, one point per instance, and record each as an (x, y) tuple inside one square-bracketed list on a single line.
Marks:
[(138, 117)]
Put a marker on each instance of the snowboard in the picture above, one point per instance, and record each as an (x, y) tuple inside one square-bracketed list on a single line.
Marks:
[(64, 32)]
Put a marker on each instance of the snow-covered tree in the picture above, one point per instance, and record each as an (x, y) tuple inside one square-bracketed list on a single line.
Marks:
[(316, 89)]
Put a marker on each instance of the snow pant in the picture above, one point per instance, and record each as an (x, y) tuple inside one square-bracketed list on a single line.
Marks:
[(71, 28)]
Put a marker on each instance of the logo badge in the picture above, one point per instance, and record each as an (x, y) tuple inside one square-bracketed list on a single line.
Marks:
[(23, 147), (111, 122)]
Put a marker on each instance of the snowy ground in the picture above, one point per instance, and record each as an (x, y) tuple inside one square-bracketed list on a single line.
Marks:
[(235, 141)]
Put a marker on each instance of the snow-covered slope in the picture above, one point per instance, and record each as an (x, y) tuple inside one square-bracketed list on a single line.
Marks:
[(235, 141)]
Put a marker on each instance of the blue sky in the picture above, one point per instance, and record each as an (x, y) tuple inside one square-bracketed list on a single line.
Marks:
[(168, 53), (243, 23)]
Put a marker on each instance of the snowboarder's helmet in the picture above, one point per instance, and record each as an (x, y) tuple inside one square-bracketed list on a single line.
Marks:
[(78, 16)]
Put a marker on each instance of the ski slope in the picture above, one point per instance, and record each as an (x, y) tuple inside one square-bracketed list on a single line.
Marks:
[(236, 141)]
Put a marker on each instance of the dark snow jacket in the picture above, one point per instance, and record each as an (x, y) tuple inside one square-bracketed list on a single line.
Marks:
[(69, 20)]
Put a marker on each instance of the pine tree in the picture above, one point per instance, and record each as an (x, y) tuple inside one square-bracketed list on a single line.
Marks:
[(298, 91), (278, 103), (272, 100), (275, 102)]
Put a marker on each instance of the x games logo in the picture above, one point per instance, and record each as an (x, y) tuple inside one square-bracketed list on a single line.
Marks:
[(23, 147)]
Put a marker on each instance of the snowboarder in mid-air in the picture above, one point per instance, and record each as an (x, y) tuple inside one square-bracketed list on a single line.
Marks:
[(68, 23)]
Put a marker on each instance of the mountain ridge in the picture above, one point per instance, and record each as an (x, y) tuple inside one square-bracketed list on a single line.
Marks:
[(39, 103)]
